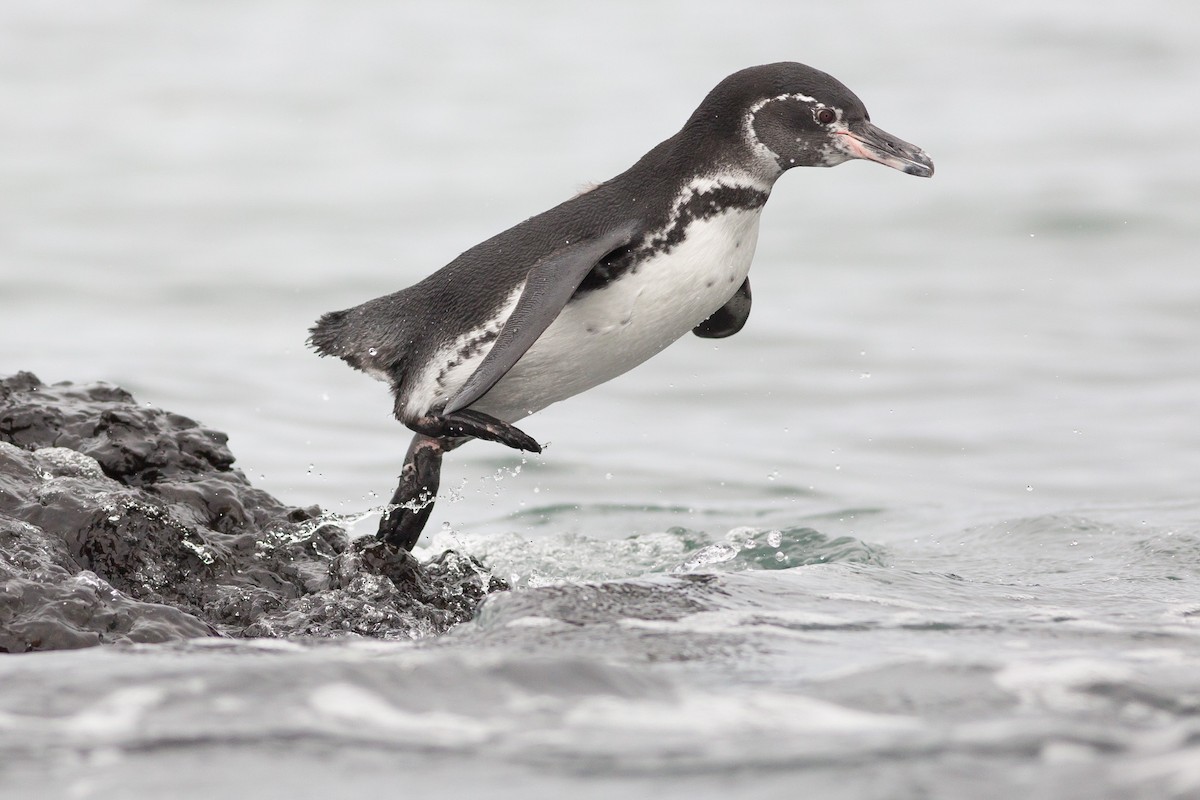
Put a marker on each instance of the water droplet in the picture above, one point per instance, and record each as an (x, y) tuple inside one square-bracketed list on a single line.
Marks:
[(371, 351), (775, 538), (608, 476), (713, 554), (1029, 488), (773, 475)]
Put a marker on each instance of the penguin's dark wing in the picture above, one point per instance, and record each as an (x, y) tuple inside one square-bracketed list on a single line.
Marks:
[(729, 318), (548, 287)]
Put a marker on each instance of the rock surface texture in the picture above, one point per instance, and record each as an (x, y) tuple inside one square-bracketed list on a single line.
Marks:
[(125, 523)]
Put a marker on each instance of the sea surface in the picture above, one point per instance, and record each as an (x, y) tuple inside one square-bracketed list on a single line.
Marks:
[(929, 527)]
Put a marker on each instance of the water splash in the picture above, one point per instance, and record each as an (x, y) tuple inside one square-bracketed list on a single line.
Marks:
[(552, 558)]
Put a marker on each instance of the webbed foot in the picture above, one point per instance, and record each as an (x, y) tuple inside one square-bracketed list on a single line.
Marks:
[(413, 501), (475, 424)]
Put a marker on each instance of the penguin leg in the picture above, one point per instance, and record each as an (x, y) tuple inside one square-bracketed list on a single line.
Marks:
[(413, 499), (473, 424)]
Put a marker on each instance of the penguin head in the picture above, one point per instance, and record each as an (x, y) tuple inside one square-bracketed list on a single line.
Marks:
[(791, 115)]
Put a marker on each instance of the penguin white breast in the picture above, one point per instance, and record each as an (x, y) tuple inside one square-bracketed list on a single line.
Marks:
[(608, 331)]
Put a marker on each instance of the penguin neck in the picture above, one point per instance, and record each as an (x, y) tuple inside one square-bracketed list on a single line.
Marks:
[(681, 161), (724, 144)]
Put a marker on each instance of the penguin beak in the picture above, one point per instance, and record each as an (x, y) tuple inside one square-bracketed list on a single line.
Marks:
[(861, 139)]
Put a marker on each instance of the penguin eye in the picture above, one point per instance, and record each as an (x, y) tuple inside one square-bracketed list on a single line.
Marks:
[(826, 115)]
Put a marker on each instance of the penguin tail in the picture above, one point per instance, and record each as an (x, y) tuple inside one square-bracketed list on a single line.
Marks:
[(358, 337), (328, 336)]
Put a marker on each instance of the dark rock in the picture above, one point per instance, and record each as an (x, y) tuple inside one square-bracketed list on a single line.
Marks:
[(125, 523)]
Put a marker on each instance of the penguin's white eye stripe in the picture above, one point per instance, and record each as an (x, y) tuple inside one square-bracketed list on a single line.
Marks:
[(754, 109)]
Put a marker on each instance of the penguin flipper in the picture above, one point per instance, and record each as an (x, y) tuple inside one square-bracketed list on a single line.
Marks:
[(729, 318), (548, 287)]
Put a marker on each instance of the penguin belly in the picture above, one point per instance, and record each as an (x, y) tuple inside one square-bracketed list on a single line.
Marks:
[(605, 332)]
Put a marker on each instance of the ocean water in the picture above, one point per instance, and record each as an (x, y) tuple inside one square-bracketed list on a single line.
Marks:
[(927, 527)]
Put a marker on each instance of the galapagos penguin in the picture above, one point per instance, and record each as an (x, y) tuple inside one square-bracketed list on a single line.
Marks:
[(581, 293)]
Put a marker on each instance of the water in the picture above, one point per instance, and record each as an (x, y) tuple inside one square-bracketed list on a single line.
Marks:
[(964, 409)]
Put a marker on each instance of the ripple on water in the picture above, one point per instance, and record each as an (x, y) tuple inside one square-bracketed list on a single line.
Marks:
[(1067, 548)]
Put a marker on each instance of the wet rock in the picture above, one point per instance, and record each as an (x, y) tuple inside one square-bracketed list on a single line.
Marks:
[(125, 523)]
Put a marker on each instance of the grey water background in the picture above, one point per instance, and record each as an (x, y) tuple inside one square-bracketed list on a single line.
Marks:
[(928, 527)]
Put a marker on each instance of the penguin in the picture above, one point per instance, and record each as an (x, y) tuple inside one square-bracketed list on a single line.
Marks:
[(584, 292)]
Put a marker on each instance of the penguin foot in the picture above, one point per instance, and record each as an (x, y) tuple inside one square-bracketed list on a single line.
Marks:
[(413, 501), (475, 424)]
